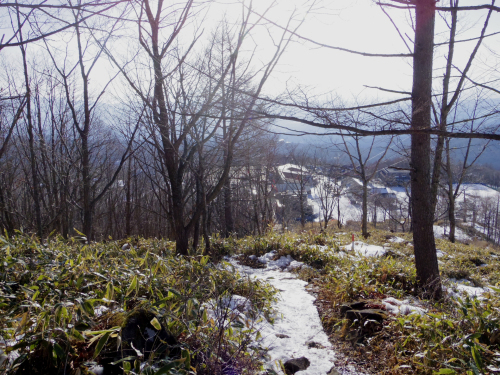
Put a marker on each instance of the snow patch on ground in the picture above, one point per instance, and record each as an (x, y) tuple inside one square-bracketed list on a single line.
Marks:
[(364, 249), (405, 307), (460, 235), (286, 263), (459, 287), (228, 308), (297, 322), (13, 354), (320, 248), (236, 302), (100, 310), (397, 240), (440, 253)]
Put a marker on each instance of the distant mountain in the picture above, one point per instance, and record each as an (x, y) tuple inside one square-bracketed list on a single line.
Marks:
[(328, 147)]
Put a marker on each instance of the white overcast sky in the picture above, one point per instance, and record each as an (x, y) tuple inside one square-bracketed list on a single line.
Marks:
[(354, 24), (361, 25)]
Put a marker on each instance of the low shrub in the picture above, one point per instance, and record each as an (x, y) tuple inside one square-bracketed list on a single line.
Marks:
[(64, 307)]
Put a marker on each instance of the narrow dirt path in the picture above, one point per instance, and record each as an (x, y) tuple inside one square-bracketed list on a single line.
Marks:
[(297, 330)]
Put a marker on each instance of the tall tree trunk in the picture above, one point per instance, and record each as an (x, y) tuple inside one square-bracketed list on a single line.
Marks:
[(182, 241), (465, 208), (181, 233), (65, 221), (87, 199), (228, 212), (301, 201), (410, 213), (422, 214), (5, 217), (364, 204), (196, 235), (199, 195), (128, 200), (302, 213), (451, 194), (31, 139), (451, 217), (255, 205), (256, 217), (206, 237), (339, 222)]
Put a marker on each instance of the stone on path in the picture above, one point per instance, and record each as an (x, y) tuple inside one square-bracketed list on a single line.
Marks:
[(296, 364)]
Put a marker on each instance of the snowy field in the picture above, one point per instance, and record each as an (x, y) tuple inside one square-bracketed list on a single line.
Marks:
[(444, 232), (349, 210)]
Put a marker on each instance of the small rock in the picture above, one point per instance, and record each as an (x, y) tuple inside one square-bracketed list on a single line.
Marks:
[(495, 337), (282, 336), (126, 246), (352, 306), (96, 370), (138, 334), (392, 254), (296, 364), (314, 345), (333, 371), (372, 314), (318, 264)]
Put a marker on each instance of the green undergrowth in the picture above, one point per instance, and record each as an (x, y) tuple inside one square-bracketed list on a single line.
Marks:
[(64, 306), (458, 335)]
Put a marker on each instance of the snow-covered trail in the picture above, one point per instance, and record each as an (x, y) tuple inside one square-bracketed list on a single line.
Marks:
[(297, 330)]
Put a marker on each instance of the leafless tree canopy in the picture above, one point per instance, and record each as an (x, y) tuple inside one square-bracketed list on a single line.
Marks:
[(145, 117)]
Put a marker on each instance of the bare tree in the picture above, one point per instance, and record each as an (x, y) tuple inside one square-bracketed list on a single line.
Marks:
[(456, 173), (302, 178), (327, 189), (84, 110), (187, 95), (419, 127), (449, 98), (11, 110), (363, 164), (46, 19)]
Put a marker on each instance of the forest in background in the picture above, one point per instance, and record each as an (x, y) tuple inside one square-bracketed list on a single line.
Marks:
[(135, 117)]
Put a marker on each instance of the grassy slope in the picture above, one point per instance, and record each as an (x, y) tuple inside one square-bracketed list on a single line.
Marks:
[(49, 294), (457, 335)]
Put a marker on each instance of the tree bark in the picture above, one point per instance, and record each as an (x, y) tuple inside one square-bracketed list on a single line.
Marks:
[(128, 200), (228, 213), (364, 220), (422, 214), (451, 217), (302, 208), (339, 221), (87, 206), (5, 217), (451, 194)]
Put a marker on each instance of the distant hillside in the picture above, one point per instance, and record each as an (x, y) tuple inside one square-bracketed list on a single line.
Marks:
[(327, 147)]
